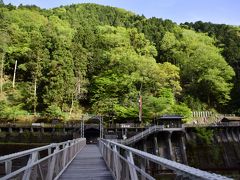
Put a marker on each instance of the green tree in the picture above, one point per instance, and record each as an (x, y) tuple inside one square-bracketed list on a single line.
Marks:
[(129, 69), (58, 76), (27, 50), (4, 40), (228, 40), (101, 58), (204, 72), (54, 111)]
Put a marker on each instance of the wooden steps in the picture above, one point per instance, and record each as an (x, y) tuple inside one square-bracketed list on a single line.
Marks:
[(87, 165)]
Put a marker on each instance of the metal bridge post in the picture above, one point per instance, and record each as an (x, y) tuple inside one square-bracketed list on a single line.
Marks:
[(8, 167), (49, 160), (145, 150), (82, 128), (132, 170), (32, 159), (108, 154), (56, 162), (52, 165), (143, 167), (65, 154), (101, 126), (117, 164)]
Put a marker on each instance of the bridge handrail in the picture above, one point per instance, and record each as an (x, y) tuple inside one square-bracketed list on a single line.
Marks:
[(143, 134), (59, 157), (113, 162), (42, 125), (26, 152)]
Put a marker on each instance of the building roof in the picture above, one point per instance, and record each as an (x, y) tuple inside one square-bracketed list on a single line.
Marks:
[(232, 118)]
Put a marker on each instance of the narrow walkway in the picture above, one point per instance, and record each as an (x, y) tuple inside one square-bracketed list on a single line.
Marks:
[(88, 165)]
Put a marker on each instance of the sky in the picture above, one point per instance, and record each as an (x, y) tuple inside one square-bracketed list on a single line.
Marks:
[(180, 11)]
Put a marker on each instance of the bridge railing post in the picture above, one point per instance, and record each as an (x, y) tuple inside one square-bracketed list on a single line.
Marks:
[(36, 167), (64, 157), (181, 170), (117, 164), (143, 168), (52, 165), (8, 167), (33, 158), (109, 155), (132, 170)]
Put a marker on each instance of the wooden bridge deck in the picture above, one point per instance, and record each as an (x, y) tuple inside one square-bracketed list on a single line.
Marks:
[(88, 164)]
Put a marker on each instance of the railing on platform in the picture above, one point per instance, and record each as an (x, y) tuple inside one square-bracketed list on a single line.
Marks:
[(129, 163), (145, 133), (45, 163), (219, 124), (38, 125)]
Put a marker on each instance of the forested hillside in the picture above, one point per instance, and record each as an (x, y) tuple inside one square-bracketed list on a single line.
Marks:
[(228, 39), (81, 58)]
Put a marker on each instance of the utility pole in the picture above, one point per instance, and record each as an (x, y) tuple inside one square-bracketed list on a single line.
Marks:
[(1, 78), (14, 74), (35, 86), (140, 104), (35, 98), (82, 127), (140, 107)]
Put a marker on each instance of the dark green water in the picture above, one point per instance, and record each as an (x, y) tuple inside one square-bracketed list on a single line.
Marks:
[(220, 158)]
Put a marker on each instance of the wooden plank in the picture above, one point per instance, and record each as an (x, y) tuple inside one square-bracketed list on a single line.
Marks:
[(88, 164)]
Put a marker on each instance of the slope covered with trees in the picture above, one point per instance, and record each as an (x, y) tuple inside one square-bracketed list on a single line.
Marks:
[(80, 58), (228, 40)]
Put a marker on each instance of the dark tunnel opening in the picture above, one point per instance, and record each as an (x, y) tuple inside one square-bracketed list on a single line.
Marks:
[(92, 135)]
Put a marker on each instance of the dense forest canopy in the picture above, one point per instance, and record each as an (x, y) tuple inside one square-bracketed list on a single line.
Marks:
[(228, 40), (66, 61)]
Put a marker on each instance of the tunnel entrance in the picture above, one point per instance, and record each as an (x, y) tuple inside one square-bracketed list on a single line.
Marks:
[(91, 135), (92, 129)]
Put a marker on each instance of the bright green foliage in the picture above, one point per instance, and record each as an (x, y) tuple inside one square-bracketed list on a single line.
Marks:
[(156, 106), (12, 112), (11, 107), (228, 39), (164, 104), (205, 135), (130, 69), (42, 47), (154, 29), (182, 110), (101, 58), (54, 111), (204, 71), (59, 76), (81, 45), (194, 103), (93, 14)]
